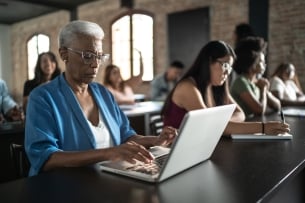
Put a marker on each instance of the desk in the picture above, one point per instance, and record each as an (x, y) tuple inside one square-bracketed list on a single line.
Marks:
[(9, 132), (139, 114), (238, 172)]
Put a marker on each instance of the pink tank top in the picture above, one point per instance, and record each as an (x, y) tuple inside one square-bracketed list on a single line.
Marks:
[(174, 115)]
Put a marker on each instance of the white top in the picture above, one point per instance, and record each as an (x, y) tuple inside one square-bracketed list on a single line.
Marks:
[(101, 134), (287, 90)]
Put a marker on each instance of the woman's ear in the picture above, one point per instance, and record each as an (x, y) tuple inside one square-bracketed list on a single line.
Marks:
[(63, 54)]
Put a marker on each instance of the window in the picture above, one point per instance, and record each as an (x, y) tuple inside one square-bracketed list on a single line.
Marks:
[(37, 44), (133, 34)]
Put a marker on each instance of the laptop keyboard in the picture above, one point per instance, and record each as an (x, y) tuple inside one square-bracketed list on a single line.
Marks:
[(150, 168)]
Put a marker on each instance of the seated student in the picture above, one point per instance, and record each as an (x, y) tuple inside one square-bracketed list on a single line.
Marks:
[(123, 93), (250, 90), (72, 121), (46, 69), (204, 85), (163, 83), (284, 87), (9, 110)]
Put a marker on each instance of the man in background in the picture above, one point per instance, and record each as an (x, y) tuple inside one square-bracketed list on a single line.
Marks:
[(164, 83)]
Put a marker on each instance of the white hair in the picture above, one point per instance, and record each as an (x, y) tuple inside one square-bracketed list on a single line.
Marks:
[(72, 30)]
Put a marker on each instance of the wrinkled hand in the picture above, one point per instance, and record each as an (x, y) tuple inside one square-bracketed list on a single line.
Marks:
[(131, 152), (276, 127), (167, 136)]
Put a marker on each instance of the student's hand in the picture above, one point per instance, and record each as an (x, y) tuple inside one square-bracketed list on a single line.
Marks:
[(276, 127), (130, 152), (167, 136), (2, 119), (262, 83), (15, 114)]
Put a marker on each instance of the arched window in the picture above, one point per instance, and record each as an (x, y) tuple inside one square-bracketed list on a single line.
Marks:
[(37, 44), (133, 34)]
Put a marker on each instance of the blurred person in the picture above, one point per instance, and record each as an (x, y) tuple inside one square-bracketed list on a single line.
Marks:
[(163, 83), (250, 90), (46, 69), (123, 93), (10, 111), (205, 85), (284, 86)]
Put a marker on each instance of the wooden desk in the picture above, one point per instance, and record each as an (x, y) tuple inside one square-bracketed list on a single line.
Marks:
[(139, 114), (238, 171), (9, 132)]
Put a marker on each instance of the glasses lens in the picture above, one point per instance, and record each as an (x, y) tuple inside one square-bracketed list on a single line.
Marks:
[(226, 67), (88, 57)]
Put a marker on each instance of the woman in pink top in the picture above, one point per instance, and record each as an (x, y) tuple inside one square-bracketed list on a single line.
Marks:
[(205, 85)]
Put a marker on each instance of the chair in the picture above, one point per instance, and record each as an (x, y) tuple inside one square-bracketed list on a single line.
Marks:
[(156, 124), (19, 160)]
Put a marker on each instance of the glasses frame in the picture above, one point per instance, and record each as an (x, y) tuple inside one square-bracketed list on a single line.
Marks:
[(225, 66), (101, 58)]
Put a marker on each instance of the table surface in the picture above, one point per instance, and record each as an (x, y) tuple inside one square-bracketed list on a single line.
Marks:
[(238, 171), (142, 108)]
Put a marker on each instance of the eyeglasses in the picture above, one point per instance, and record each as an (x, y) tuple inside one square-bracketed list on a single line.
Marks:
[(89, 57), (225, 66)]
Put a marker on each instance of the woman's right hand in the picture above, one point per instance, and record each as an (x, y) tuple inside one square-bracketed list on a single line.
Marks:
[(276, 127), (130, 152)]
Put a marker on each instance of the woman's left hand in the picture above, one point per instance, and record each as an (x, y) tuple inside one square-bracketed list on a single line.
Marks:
[(167, 136)]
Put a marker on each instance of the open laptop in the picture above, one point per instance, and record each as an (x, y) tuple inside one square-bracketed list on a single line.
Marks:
[(198, 136)]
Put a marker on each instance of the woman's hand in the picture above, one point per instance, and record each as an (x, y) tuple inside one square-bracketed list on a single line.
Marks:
[(130, 152), (167, 136), (276, 127), (15, 114)]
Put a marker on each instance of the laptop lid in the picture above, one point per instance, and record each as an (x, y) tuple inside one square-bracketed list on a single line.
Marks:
[(198, 136)]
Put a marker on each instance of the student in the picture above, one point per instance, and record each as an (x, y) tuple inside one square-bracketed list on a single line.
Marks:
[(250, 90), (204, 85), (123, 93), (46, 69), (72, 121), (284, 87), (9, 110), (164, 83), (241, 31)]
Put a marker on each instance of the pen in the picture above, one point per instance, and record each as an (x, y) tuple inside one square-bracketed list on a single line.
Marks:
[(282, 116)]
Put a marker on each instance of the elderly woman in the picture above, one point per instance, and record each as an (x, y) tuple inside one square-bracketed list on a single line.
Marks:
[(73, 121)]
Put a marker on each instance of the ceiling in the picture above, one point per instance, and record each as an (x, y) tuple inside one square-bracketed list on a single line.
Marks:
[(13, 11)]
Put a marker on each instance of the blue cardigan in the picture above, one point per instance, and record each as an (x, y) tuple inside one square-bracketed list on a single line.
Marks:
[(55, 121)]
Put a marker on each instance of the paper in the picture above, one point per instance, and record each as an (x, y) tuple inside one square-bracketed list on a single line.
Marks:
[(260, 136)]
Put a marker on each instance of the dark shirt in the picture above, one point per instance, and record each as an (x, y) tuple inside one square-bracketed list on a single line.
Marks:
[(29, 85)]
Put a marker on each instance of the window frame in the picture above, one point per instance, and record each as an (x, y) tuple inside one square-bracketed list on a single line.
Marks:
[(132, 57)]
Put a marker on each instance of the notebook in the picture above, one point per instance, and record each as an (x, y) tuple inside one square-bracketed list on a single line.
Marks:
[(198, 136), (294, 112), (260, 136)]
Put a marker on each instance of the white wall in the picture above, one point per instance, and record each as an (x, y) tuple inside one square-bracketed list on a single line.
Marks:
[(5, 55)]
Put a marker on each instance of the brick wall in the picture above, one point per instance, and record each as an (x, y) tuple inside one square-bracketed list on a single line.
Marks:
[(224, 15)]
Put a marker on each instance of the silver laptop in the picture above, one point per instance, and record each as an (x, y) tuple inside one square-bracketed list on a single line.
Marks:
[(198, 136)]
